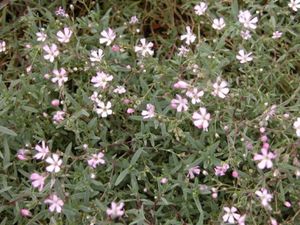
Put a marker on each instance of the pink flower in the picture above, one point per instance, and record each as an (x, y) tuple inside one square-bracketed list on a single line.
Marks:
[(60, 77), (65, 35), (55, 102), (21, 154), (52, 52), (273, 221), (103, 109), (101, 79), (264, 196), (180, 104), (194, 171), (149, 112), (241, 220), (200, 8), (58, 117), (55, 203), (235, 174), (294, 5), (116, 210), (130, 111), (41, 36), (37, 181), (181, 85), (221, 170), (164, 180), (108, 36), (195, 95), (42, 151), (96, 55), (55, 163), (25, 213), (231, 215), (265, 159), (115, 48), (201, 118), (2, 46), (277, 34), (96, 159)]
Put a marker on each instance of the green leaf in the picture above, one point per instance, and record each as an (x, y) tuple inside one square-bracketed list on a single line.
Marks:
[(5, 130), (121, 177), (136, 156)]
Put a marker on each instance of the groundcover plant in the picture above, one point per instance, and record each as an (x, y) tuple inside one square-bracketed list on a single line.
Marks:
[(150, 112)]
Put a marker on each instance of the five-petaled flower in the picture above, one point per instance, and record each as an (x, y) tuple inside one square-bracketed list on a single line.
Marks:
[(55, 203), (179, 103), (51, 52), (246, 19), (149, 112), (101, 79), (55, 163), (265, 197), (60, 76), (42, 151), (218, 23), (103, 109), (37, 181), (294, 5), (144, 49), (296, 126), (201, 118), (189, 37), (108, 36), (220, 88), (116, 210), (244, 57), (96, 55), (200, 8), (231, 216), (96, 159), (64, 35), (265, 159)]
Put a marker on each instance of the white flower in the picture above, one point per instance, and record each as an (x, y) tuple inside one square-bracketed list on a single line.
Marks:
[(2, 46), (201, 118), (150, 112), (64, 36), (244, 57), (180, 104), (55, 202), (230, 216), (60, 77), (218, 24), (51, 51), (195, 95), (245, 34), (42, 151), (246, 19), (265, 197), (297, 126), (96, 55), (220, 88), (294, 4), (277, 34), (189, 37), (103, 109), (183, 51), (55, 163), (200, 8), (41, 36), (108, 36), (101, 79), (145, 48), (120, 90)]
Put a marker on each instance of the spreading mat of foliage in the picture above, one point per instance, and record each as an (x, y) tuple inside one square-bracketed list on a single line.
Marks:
[(150, 112)]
